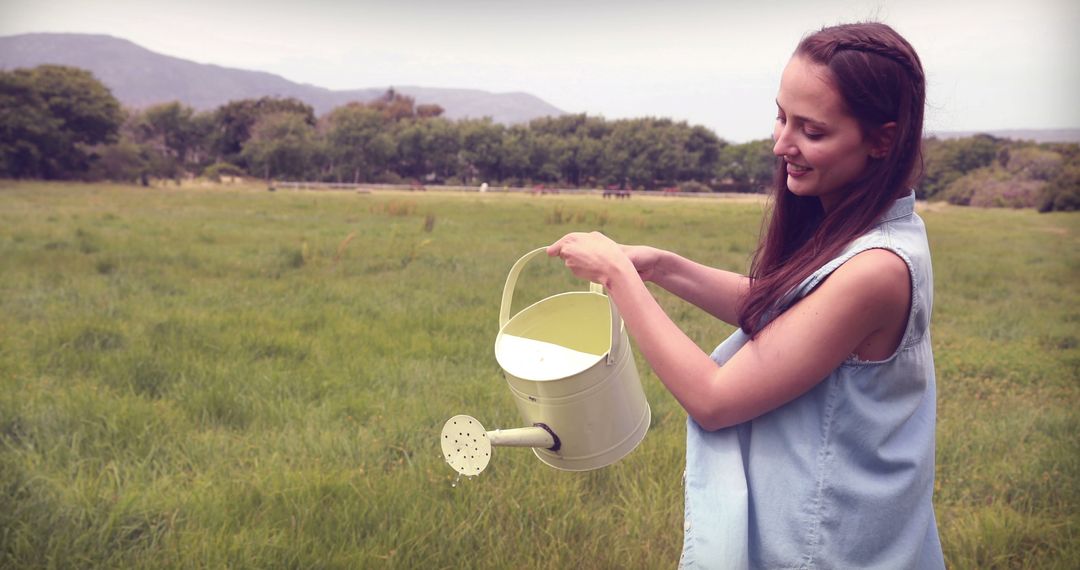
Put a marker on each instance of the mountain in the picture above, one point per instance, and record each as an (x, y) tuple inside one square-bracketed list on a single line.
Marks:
[(139, 77)]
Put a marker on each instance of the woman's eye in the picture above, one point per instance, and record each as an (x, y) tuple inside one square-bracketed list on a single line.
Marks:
[(780, 119), (814, 136)]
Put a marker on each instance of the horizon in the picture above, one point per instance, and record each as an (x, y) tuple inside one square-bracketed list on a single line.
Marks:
[(632, 60)]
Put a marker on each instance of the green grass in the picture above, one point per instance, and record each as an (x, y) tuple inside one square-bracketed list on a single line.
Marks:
[(235, 378)]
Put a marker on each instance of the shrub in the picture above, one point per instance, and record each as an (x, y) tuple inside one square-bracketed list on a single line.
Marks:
[(693, 186), (218, 169), (1034, 163), (124, 161), (1008, 194), (1062, 193), (993, 187)]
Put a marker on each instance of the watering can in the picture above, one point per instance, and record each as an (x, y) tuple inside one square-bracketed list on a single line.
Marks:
[(568, 364)]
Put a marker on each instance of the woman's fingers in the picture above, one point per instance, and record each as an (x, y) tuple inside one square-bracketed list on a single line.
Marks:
[(556, 248), (591, 256), (576, 241)]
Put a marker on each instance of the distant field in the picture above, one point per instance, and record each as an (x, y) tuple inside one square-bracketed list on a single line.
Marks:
[(229, 377)]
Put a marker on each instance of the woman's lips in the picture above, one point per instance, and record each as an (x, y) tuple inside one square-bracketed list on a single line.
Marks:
[(796, 170)]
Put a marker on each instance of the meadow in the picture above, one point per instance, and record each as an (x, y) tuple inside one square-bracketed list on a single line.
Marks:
[(229, 377)]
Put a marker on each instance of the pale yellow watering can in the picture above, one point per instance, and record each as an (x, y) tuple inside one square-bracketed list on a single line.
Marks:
[(568, 363)]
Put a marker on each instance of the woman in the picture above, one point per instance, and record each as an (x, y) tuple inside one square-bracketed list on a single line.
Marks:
[(819, 412)]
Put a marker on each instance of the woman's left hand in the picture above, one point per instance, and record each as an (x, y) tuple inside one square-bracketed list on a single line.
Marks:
[(592, 256)]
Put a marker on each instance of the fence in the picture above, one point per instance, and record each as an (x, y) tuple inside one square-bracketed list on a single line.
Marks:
[(366, 188)]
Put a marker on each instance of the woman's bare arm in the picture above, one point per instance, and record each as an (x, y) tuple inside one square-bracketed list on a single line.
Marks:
[(788, 357), (714, 291)]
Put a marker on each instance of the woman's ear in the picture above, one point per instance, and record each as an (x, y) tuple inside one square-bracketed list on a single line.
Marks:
[(882, 140)]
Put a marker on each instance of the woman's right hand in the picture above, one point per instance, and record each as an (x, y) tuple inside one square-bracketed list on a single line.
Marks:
[(645, 259)]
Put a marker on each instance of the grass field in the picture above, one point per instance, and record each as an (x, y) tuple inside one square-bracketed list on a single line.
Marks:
[(230, 377)]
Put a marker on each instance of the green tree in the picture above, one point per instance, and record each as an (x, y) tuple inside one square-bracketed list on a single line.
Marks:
[(234, 122), (427, 148), (172, 129), (30, 137), (547, 155), (619, 149), (643, 153), (1062, 192), (747, 167), (480, 156), (1020, 175), (49, 116), (575, 159), (443, 146), (358, 142), (701, 154), (587, 153), (281, 146), (176, 136), (123, 161), (411, 151), (945, 161), (514, 155), (1034, 163)]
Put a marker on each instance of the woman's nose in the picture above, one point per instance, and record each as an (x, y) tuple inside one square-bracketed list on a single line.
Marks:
[(781, 145)]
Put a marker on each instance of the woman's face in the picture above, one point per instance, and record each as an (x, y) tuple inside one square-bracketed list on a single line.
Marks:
[(822, 145)]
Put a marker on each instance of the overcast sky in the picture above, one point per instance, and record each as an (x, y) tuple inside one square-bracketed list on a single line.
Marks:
[(990, 64)]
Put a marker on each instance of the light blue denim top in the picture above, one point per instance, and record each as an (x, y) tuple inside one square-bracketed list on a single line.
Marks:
[(842, 476)]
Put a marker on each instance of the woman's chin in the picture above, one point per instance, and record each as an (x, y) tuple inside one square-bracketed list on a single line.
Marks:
[(799, 186)]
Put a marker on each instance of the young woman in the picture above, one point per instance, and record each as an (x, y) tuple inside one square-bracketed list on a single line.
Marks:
[(810, 438)]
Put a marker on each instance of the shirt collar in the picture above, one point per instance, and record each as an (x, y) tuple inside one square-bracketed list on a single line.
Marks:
[(900, 208)]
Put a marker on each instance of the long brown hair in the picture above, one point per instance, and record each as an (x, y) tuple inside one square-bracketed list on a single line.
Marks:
[(880, 79)]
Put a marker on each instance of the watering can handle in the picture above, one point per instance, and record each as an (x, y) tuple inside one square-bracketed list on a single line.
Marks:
[(508, 296)]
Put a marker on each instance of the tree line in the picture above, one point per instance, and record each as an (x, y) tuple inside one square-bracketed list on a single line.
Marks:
[(988, 171), (61, 123)]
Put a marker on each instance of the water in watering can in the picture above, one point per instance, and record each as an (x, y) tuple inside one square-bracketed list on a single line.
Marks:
[(540, 360)]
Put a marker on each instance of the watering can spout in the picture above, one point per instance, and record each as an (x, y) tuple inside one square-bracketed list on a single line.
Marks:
[(537, 436), (466, 445)]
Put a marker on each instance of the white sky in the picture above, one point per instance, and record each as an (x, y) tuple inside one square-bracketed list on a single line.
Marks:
[(991, 64)]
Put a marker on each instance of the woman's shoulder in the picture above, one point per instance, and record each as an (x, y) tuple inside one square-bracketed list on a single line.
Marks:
[(875, 286), (876, 274), (869, 267)]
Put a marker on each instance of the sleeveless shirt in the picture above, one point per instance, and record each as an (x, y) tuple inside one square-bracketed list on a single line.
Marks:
[(843, 475)]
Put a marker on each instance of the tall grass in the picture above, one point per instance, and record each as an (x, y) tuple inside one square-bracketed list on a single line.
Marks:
[(236, 378)]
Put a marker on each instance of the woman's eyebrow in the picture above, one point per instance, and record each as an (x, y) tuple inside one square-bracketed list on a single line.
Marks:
[(804, 118)]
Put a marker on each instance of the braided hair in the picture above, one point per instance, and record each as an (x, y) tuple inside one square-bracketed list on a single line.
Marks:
[(880, 80)]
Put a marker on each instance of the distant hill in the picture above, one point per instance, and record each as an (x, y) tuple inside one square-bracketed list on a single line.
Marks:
[(139, 77), (1036, 135)]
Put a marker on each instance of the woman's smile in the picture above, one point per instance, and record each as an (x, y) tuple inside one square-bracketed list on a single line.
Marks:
[(797, 170)]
